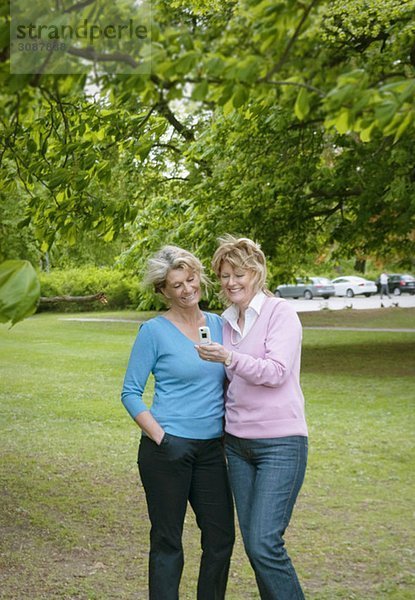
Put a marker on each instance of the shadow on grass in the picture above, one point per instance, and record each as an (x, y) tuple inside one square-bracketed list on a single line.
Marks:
[(378, 359)]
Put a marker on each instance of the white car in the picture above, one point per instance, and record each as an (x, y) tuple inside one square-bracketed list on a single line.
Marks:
[(351, 286)]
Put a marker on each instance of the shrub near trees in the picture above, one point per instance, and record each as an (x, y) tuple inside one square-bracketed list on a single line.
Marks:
[(289, 122), (121, 291)]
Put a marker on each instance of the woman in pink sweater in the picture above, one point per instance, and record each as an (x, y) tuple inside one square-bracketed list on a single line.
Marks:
[(266, 432)]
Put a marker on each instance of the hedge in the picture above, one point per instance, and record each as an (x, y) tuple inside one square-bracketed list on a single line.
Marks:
[(121, 289)]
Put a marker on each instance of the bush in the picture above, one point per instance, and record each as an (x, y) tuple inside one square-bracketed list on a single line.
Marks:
[(120, 288)]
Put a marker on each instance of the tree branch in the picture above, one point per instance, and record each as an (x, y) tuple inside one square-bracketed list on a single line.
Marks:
[(79, 6), (311, 88), (292, 41), (328, 211), (169, 146), (334, 194), (90, 54), (100, 297), (166, 112)]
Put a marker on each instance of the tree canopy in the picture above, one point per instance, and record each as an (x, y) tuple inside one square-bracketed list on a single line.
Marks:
[(288, 121)]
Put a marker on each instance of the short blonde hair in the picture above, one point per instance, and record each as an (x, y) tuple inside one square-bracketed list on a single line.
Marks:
[(167, 258), (242, 253)]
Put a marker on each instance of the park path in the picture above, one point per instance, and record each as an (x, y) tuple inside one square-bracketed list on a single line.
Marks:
[(115, 320), (386, 329)]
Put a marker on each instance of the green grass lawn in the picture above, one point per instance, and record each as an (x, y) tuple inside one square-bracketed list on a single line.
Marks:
[(73, 520)]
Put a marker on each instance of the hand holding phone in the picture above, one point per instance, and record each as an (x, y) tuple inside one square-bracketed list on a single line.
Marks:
[(204, 336)]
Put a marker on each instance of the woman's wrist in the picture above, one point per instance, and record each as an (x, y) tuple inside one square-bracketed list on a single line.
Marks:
[(160, 437)]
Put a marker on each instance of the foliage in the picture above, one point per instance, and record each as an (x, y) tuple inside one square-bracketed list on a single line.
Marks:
[(19, 291), (89, 249), (289, 122), (121, 289), (16, 240)]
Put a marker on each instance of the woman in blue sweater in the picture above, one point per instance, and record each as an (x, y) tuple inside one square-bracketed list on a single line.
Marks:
[(181, 454)]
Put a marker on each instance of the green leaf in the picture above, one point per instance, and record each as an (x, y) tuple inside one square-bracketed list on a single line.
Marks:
[(240, 96), (248, 69), (228, 107), (19, 290), (227, 93), (4, 35), (302, 104), (31, 145), (385, 112), (269, 38), (16, 83), (81, 183), (104, 172), (200, 91), (89, 160), (215, 66), (144, 150), (342, 121), (186, 62), (58, 177), (404, 125), (109, 236), (405, 88), (366, 134), (100, 135)]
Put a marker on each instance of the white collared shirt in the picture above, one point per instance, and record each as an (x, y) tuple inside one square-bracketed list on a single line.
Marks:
[(252, 312)]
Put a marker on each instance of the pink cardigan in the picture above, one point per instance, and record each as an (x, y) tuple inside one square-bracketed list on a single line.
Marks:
[(264, 397)]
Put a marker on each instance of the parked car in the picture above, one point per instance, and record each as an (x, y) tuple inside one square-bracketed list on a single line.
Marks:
[(398, 283), (352, 286), (307, 288)]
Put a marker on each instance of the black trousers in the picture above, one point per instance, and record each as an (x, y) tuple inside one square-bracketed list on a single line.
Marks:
[(178, 471)]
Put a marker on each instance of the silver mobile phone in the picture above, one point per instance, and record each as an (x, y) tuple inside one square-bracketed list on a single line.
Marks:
[(204, 335)]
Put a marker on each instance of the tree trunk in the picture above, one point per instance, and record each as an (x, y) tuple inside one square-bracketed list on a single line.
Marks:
[(360, 265), (100, 297)]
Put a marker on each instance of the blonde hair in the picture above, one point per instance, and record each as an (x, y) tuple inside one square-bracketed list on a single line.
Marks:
[(171, 257), (242, 253)]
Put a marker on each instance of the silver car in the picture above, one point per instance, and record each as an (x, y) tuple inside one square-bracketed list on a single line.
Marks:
[(307, 287)]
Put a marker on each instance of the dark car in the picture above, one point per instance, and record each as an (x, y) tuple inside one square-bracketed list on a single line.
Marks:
[(398, 283), (307, 288)]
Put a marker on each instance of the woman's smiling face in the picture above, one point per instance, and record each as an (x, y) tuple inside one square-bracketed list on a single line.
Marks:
[(183, 287), (238, 284)]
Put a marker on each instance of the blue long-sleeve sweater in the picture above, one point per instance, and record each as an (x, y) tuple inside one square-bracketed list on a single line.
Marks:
[(188, 392)]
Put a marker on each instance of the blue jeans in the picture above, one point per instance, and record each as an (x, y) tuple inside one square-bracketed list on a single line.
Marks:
[(266, 476)]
